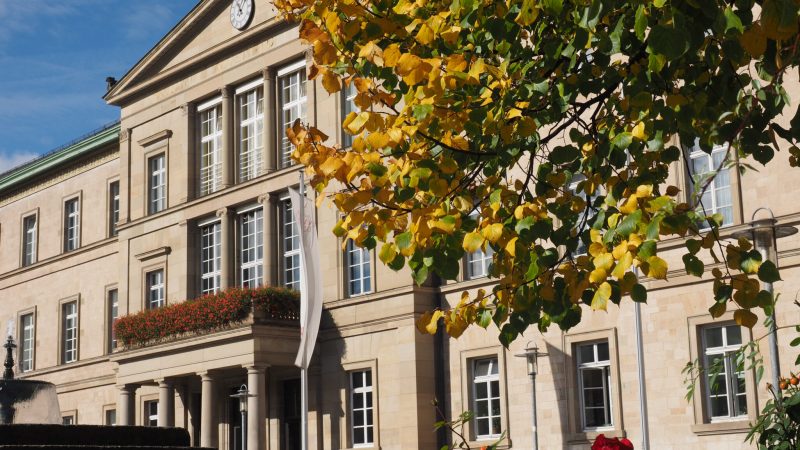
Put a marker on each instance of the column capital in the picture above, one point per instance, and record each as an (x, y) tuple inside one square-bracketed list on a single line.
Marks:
[(224, 212), (165, 382), (265, 199), (125, 134), (188, 108), (207, 375), (256, 368), (268, 73), (226, 91), (129, 388)]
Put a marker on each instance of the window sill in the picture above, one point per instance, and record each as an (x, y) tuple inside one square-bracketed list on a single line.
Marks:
[(503, 444), (373, 447), (726, 427), (584, 437)]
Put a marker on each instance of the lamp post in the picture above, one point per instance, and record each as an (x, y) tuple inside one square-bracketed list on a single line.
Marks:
[(532, 356), (242, 394), (764, 233)]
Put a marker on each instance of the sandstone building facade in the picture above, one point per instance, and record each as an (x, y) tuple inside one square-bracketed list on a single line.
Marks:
[(187, 195)]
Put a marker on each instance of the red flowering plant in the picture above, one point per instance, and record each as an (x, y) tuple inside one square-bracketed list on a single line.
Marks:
[(604, 443), (207, 313)]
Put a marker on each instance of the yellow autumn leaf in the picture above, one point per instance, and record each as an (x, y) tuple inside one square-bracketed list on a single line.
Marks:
[(601, 297), (604, 261), (433, 323), (745, 318), (493, 232), (511, 247), (391, 55), (644, 190), (425, 35), (473, 241), (330, 166), (657, 268), (388, 253), (598, 275), (355, 122), (623, 265), (630, 205), (331, 82), (528, 13), (638, 132)]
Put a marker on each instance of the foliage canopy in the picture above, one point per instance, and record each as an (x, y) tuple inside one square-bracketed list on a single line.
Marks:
[(477, 118)]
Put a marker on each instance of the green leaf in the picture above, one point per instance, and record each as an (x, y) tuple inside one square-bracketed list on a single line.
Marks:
[(647, 249), (420, 275), (403, 240), (640, 25), (564, 154), (622, 140), (533, 267), (750, 261), (420, 112), (484, 318), (639, 293), (630, 223), (397, 263), (668, 41), (717, 310), (732, 21), (553, 6), (507, 335), (694, 245), (693, 265), (377, 170), (768, 273)]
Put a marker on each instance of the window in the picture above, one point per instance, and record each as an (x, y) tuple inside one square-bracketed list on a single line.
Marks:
[(594, 385), (292, 105), (348, 105), (72, 224), (358, 269), (250, 103), (68, 420), (151, 413), (211, 147), (29, 240), (113, 208), (113, 312), (157, 184), (69, 332), (251, 247), (361, 408), (110, 417), (155, 289), (478, 262), (725, 387), (486, 399), (210, 257), (290, 245), (717, 196), (26, 345), (584, 220)]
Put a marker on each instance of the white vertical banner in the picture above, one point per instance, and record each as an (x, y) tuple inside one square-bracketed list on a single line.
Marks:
[(310, 279)]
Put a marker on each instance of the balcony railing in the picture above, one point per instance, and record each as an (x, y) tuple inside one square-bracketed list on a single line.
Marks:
[(209, 313)]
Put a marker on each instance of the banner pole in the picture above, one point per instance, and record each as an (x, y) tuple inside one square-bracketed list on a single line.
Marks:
[(304, 368)]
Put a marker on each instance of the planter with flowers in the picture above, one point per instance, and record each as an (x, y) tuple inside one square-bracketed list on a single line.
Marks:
[(208, 313)]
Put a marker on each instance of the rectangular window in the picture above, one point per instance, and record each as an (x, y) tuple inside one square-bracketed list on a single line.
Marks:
[(348, 105), (72, 225), (26, 345), (361, 409), (290, 245), (155, 289), (251, 247), (157, 184), (69, 332), (717, 196), (113, 208), (594, 385), (68, 420), (151, 413), (725, 390), (486, 398), (250, 104), (358, 269), (110, 417), (211, 149), (292, 105), (210, 257), (29, 240), (478, 262), (113, 313)]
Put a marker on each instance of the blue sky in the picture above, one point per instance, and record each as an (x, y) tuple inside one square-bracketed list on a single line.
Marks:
[(54, 58)]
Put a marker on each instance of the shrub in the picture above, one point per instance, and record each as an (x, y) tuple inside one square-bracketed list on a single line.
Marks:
[(208, 313)]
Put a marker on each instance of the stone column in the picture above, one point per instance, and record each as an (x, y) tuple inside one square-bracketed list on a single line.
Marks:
[(270, 122), (270, 222), (189, 111), (126, 405), (228, 136), (311, 93), (228, 271), (208, 413), (166, 403), (256, 408)]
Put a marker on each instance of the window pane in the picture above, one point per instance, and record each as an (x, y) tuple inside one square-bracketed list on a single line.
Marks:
[(713, 337), (585, 354), (734, 335), (602, 351)]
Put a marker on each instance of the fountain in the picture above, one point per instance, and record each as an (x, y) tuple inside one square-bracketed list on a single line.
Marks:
[(26, 401)]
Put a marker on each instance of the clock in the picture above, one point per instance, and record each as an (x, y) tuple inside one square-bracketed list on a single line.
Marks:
[(241, 13)]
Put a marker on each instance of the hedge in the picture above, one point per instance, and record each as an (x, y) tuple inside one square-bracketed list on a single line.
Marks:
[(208, 313)]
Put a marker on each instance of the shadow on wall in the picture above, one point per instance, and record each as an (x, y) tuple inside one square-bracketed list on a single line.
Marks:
[(330, 380), (557, 361)]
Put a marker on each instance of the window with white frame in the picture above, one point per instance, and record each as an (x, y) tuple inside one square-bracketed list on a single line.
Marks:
[(155, 289), (113, 208), (290, 247), (68, 420), (348, 105), (251, 247), (210, 257), (157, 183), (151, 413), (725, 389), (586, 215), (69, 332), (72, 224), (29, 240), (361, 408), (210, 146), (359, 276), (487, 417), (594, 385), (110, 417), (26, 345), (250, 104), (292, 105), (717, 196), (112, 309), (478, 262)]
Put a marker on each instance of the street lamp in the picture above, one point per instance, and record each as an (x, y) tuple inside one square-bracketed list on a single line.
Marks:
[(764, 233), (532, 356), (242, 394)]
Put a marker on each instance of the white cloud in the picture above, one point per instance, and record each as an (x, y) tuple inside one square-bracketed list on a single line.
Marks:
[(9, 160)]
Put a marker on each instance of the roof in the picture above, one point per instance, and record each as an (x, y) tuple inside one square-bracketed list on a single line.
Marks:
[(66, 153)]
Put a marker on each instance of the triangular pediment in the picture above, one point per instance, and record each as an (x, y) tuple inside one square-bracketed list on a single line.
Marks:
[(202, 35)]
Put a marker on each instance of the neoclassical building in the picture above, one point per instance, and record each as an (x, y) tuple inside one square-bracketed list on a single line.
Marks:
[(187, 195)]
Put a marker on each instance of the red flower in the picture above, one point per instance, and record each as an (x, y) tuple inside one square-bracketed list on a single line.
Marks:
[(604, 443)]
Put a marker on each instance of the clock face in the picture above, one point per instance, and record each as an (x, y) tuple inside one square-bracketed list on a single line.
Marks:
[(241, 13)]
